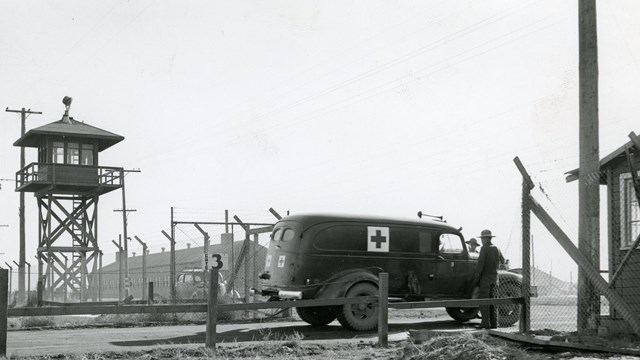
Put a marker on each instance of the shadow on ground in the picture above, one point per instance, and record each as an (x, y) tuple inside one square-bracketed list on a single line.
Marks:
[(277, 331)]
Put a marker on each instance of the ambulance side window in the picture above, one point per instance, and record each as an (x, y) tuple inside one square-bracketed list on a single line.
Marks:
[(342, 238), (427, 242), (403, 240)]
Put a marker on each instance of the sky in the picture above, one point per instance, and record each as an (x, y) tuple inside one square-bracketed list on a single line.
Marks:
[(364, 107)]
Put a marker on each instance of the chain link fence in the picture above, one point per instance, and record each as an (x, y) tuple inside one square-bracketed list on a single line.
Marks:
[(564, 299)]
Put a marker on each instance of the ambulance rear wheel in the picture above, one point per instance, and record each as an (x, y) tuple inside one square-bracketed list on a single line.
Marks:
[(462, 314), (360, 317), (508, 314), (317, 315)]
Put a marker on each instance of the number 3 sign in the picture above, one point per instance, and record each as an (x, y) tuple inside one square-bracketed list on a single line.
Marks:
[(218, 261)]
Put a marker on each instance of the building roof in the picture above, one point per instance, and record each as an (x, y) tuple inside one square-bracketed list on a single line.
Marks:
[(606, 162), (67, 126), (183, 256)]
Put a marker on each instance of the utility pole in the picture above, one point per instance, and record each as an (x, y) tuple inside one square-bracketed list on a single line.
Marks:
[(589, 173), (24, 114), (125, 212)]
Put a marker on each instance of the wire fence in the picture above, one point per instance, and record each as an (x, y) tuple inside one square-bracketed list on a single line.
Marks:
[(241, 253), (565, 299)]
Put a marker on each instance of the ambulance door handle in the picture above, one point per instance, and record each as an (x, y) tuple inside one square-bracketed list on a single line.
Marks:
[(440, 257)]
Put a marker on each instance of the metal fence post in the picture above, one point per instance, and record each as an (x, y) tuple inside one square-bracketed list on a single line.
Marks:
[(144, 265), (383, 310), (28, 284), (212, 309), (3, 311)]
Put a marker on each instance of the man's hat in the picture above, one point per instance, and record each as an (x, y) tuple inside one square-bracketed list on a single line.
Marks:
[(473, 241), (486, 233)]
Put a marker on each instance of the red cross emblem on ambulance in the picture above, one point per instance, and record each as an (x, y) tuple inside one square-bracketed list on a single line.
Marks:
[(378, 239)]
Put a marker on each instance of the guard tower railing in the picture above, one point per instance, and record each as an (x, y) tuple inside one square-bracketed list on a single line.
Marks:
[(64, 177)]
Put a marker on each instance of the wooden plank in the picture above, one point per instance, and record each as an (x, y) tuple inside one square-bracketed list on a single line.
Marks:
[(185, 308), (97, 310), (455, 303), (180, 308), (592, 274), (541, 341)]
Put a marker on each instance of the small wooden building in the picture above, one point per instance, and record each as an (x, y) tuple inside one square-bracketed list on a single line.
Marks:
[(623, 226), (68, 159)]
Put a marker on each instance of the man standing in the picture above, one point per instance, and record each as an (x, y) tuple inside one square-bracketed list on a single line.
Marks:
[(473, 245), (486, 279)]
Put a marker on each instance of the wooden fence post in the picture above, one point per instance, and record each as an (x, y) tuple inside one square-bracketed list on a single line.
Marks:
[(40, 292), (383, 310), (212, 309), (4, 277), (527, 186), (150, 295)]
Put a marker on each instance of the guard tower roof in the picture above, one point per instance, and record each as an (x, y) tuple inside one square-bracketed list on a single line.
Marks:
[(67, 126)]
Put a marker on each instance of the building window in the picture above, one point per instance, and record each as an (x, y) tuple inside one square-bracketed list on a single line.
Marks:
[(73, 153), (58, 153), (629, 212), (87, 154)]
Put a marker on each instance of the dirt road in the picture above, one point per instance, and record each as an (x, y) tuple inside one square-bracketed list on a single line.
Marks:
[(78, 341)]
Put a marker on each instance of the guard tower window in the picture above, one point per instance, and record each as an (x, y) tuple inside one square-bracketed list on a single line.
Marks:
[(73, 153), (58, 152), (42, 153), (87, 154)]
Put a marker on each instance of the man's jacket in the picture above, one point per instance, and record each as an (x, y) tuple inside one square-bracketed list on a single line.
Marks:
[(487, 266)]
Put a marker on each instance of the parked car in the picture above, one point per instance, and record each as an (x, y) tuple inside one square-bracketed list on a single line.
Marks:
[(325, 256), (190, 284)]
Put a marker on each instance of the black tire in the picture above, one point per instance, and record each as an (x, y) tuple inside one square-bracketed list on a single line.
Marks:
[(508, 314), (360, 317), (317, 315), (462, 314)]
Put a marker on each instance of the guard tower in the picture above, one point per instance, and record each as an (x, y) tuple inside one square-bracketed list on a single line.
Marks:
[(67, 182)]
